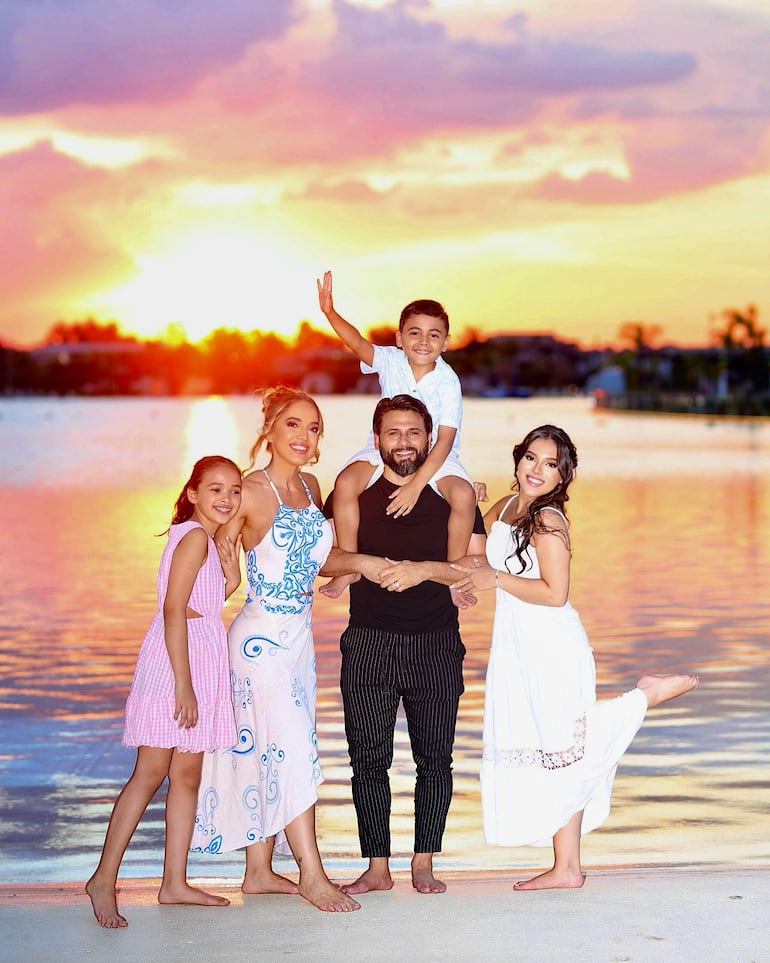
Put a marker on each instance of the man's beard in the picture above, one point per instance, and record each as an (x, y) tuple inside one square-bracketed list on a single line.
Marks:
[(407, 467)]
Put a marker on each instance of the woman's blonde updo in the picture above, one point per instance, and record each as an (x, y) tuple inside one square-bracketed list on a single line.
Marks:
[(274, 402)]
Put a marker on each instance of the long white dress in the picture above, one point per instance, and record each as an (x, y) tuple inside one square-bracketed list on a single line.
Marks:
[(549, 748), (252, 791)]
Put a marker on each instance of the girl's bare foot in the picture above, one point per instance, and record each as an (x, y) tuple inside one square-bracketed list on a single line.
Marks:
[(324, 895), (553, 879), (104, 904), (187, 894), (256, 884), (661, 688)]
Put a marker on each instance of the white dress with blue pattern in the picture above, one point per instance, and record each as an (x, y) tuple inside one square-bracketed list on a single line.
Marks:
[(252, 791)]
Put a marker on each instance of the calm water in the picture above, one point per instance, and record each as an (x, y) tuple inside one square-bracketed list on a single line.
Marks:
[(671, 528)]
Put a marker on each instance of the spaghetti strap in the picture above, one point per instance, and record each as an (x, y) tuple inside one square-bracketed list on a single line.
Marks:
[(275, 490), (504, 509), (270, 483), (550, 508)]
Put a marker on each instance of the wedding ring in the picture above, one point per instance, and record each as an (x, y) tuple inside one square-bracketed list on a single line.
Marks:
[(396, 583)]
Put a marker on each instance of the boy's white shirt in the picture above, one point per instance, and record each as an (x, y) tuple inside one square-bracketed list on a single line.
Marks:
[(439, 390)]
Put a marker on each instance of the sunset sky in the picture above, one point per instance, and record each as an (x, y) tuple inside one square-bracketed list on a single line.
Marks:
[(543, 165)]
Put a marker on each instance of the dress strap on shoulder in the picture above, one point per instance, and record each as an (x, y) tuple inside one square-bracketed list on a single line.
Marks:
[(305, 486), (550, 508), (270, 483), (504, 509)]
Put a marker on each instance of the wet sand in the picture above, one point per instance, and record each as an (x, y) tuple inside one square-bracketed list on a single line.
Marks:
[(645, 915)]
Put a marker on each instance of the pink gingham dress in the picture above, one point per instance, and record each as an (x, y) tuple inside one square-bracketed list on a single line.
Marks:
[(150, 706)]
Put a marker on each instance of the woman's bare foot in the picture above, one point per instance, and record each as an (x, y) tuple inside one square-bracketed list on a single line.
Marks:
[(104, 904), (256, 884), (336, 586), (553, 879), (661, 688), (187, 894), (324, 895), (369, 881)]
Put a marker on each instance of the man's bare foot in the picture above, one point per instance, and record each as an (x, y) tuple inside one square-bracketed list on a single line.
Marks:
[(463, 600), (336, 586), (326, 896), (423, 879), (563, 879), (661, 688), (257, 884), (186, 894), (369, 881), (104, 904)]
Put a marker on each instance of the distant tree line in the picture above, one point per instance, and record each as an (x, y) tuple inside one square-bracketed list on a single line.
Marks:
[(90, 357)]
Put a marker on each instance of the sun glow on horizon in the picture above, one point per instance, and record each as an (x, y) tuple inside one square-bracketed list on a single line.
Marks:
[(222, 278)]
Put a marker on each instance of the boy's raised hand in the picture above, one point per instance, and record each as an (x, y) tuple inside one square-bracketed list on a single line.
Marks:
[(325, 300)]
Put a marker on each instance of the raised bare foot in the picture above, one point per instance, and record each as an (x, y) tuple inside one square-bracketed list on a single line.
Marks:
[(256, 884), (104, 904), (336, 586), (661, 688), (184, 893), (369, 881), (562, 879), (326, 896)]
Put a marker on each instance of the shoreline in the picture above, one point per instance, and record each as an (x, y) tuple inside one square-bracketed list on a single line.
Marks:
[(634, 913)]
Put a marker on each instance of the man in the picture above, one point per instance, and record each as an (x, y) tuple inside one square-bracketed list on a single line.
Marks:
[(402, 644)]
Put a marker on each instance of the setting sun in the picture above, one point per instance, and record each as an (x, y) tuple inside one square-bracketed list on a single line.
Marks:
[(230, 278)]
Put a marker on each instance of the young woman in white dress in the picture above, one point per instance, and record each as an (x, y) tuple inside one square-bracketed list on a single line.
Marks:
[(550, 750)]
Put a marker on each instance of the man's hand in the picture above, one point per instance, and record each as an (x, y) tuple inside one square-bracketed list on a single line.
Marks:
[(398, 576)]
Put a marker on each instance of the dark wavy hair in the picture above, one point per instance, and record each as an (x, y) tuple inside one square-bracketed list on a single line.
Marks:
[(533, 522), (183, 507), (274, 402), (433, 309), (401, 403)]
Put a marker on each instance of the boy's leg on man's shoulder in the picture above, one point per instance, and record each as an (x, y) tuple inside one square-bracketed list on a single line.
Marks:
[(350, 482), (461, 498)]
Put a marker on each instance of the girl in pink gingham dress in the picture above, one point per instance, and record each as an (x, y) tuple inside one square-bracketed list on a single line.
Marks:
[(180, 703)]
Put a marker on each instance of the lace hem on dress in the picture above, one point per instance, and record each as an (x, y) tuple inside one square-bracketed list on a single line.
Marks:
[(519, 758)]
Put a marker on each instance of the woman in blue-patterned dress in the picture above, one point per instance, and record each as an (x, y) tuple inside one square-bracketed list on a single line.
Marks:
[(262, 793)]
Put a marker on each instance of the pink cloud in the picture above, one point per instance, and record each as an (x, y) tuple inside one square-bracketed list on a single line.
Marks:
[(414, 75), (48, 248), (669, 156), (55, 53)]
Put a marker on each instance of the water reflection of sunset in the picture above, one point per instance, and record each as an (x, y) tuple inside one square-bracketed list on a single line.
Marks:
[(210, 430), (669, 572)]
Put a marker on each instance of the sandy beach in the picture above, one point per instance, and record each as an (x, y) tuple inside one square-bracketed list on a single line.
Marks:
[(641, 915)]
